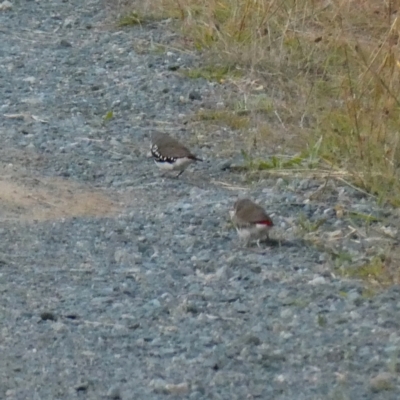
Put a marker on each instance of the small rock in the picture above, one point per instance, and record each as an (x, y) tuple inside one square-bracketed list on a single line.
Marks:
[(224, 165), (194, 95), (178, 389), (341, 378), (380, 382), (120, 255), (191, 307), (240, 308), (58, 327), (123, 257), (154, 303), (158, 385), (65, 43), (329, 212), (365, 352), (48, 316), (283, 294), (321, 320), (114, 142), (25, 129), (280, 378), (308, 208), (222, 273), (114, 393), (318, 280), (354, 315), (72, 316), (353, 295), (30, 79), (286, 313), (161, 386), (69, 22), (256, 269), (82, 387), (253, 340), (286, 335), (304, 184), (6, 6)]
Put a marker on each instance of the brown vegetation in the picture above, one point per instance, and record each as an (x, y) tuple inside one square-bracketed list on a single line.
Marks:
[(329, 71)]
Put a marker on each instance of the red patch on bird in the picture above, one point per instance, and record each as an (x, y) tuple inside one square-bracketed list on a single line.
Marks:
[(267, 222)]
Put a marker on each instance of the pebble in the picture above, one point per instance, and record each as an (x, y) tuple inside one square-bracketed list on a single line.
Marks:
[(114, 393), (69, 22), (6, 6), (179, 389), (65, 43), (194, 95), (381, 382), (318, 280)]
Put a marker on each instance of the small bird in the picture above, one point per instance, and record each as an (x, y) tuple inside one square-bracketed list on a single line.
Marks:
[(251, 221), (171, 155)]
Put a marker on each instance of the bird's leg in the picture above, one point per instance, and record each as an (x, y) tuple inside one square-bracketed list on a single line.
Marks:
[(244, 243), (244, 236), (180, 173), (240, 237), (247, 240)]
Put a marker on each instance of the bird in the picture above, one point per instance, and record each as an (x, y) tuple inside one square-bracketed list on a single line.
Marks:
[(251, 221), (171, 155)]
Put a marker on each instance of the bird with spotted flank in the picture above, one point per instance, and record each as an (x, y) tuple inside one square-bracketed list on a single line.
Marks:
[(171, 155)]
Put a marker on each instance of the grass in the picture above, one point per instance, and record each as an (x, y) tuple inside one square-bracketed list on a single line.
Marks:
[(309, 226), (301, 162), (108, 116), (130, 19), (379, 272), (223, 117), (218, 73), (331, 72)]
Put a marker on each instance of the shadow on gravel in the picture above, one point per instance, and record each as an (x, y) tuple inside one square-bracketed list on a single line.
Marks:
[(268, 244), (285, 243)]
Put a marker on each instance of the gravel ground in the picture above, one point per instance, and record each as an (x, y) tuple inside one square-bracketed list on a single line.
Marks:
[(116, 282)]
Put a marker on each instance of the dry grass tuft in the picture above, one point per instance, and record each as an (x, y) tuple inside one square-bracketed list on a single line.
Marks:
[(130, 19), (331, 68), (379, 272), (223, 117)]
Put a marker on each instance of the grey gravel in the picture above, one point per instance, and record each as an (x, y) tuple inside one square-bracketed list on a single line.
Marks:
[(118, 283)]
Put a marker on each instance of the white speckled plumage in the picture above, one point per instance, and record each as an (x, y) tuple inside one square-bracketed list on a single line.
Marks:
[(171, 155)]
